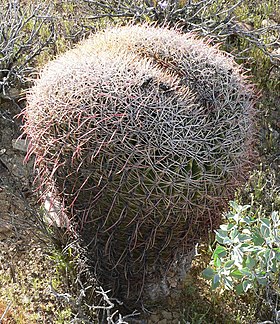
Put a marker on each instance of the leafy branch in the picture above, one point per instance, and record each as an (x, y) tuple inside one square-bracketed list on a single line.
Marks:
[(247, 253)]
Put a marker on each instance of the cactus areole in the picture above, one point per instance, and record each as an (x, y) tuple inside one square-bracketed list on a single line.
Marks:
[(144, 133)]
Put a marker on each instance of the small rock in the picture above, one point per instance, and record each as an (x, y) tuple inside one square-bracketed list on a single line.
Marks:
[(5, 232), (164, 321), (154, 318), (175, 318), (176, 321), (14, 93), (20, 145), (54, 212), (268, 23), (167, 315)]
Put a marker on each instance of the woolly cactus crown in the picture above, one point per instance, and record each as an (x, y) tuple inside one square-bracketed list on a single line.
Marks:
[(144, 132)]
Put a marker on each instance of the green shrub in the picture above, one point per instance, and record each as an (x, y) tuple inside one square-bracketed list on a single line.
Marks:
[(247, 253)]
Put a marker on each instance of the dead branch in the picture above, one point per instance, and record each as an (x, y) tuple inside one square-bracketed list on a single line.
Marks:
[(21, 41)]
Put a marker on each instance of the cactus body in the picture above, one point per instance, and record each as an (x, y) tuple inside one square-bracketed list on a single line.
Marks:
[(144, 133)]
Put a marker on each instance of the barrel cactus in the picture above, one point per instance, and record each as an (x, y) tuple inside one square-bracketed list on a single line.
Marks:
[(144, 133)]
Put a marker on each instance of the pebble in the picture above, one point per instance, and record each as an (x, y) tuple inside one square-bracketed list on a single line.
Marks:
[(167, 315)]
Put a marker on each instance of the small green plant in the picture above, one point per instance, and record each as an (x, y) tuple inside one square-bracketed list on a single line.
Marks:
[(247, 253)]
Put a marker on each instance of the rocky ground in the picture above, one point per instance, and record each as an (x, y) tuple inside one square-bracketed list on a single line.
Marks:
[(26, 271)]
